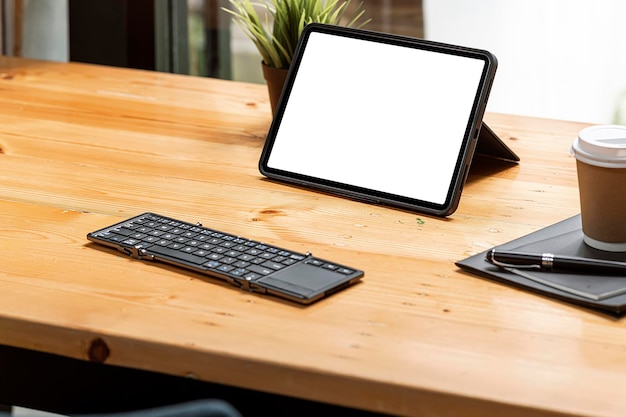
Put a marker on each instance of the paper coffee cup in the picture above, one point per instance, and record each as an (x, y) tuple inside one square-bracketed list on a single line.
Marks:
[(600, 153)]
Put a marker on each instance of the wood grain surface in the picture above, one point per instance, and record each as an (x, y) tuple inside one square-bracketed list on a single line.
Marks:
[(84, 146)]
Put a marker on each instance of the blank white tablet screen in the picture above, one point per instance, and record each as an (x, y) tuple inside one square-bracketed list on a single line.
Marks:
[(379, 116)]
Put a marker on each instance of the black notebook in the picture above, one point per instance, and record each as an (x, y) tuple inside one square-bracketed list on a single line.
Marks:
[(604, 292)]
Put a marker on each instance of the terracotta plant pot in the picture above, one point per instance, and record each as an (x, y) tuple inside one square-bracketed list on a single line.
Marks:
[(275, 78)]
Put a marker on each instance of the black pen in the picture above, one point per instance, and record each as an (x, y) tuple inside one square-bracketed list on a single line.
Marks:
[(549, 261)]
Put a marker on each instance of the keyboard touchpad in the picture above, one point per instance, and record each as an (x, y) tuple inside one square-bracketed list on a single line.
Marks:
[(304, 278)]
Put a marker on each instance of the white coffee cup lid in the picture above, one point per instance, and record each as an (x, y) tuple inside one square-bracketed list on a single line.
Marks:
[(602, 145)]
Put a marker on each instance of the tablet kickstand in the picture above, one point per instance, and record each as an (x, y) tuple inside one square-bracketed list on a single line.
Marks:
[(490, 145)]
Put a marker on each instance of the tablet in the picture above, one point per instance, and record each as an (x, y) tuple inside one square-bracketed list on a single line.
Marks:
[(380, 118)]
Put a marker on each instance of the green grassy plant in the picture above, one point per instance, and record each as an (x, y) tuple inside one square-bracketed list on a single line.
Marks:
[(277, 33)]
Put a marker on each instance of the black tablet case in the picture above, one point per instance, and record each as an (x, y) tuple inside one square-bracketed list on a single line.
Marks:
[(563, 238), (487, 144)]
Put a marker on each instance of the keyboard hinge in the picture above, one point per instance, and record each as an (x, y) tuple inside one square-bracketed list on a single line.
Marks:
[(137, 252), (245, 284)]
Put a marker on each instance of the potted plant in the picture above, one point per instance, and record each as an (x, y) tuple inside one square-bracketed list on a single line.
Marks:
[(276, 33)]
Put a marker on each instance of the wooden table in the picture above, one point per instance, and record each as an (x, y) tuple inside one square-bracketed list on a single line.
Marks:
[(84, 146)]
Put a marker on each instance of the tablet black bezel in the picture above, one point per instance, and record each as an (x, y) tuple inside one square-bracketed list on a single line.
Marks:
[(465, 151)]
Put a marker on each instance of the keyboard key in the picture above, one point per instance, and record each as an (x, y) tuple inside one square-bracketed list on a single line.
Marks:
[(241, 264), (212, 264), (225, 268), (228, 260), (238, 272), (251, 276), (176, 254), (262, 270), (273, 265), (124, 231)]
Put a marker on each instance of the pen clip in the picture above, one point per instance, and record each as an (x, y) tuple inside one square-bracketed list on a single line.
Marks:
[(505, 265)]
